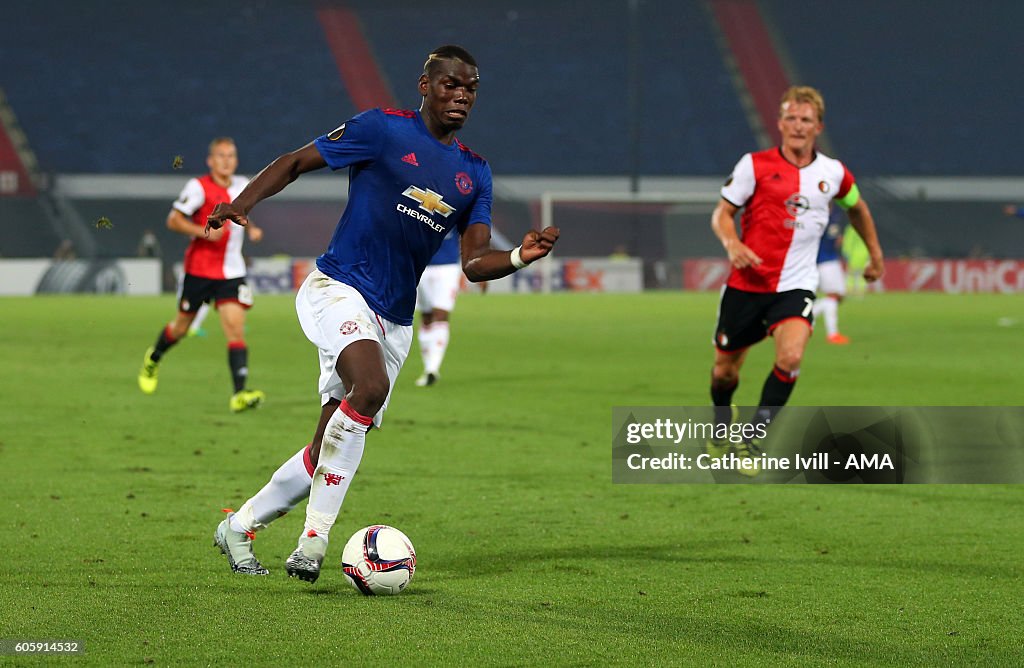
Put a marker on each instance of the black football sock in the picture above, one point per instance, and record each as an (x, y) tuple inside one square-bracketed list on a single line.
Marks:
[(721, 397), (163, 343), (777, 388), (238, 359)]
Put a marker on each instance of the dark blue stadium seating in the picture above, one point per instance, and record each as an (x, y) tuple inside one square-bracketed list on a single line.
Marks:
[(912, 88), (126, 86), (553, 96), (699, 128)]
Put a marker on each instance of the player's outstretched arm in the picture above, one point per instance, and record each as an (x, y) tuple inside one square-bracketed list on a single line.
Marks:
[(864, 223), (271, 180), (481, 263), (723, 223)]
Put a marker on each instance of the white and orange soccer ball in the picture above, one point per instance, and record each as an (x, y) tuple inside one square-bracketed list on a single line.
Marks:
[(379, 560)]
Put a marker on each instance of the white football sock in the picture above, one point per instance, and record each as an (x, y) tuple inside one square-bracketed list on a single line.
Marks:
[(828, 307), (340, 453), (439, 344), (288, 486), (426, 339)]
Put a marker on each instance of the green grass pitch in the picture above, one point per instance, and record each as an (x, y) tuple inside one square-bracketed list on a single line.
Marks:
[(500, 475)]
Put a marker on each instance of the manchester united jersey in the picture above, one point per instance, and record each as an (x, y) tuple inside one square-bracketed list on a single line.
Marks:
[(785, 210), (220, 259), (407, 190), (449, 252)]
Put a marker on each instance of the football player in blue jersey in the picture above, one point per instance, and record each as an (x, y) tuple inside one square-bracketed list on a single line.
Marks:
[(411, 181)]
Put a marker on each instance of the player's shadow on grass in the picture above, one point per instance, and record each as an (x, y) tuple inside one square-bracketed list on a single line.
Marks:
[(344, 589)]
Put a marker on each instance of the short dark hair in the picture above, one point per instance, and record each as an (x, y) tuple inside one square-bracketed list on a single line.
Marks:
[(447, 52)]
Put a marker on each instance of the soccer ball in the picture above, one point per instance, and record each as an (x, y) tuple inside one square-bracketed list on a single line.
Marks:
[(379, 560)]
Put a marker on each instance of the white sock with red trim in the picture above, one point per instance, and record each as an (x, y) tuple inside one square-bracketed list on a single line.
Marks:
[(289, 485), (439, 344), (426, 339), (340, 453)]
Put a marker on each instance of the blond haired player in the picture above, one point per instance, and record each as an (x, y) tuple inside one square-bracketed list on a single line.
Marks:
[(784, 194), (214, 271)]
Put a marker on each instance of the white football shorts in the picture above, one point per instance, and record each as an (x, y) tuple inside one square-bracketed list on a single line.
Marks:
[(334, 315), (438, 287), (831, 278)]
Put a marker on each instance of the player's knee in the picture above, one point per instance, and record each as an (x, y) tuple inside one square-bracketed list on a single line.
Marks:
[(725, 372), (789, 360), (724, 378), (368, 395)]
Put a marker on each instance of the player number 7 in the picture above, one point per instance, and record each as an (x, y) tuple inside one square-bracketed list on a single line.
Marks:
[(807, 309)]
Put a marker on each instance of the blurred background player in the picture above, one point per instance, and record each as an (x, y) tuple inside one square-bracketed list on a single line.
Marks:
[(410, 182), (785, 193), (435, 298), (214, 270), (831, 277)]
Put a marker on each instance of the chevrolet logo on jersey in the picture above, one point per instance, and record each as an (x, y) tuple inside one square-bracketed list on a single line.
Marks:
[(430, 201)]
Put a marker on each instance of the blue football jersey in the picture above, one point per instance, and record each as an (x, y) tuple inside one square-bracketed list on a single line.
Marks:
[(828, 249), (406, 192), (450, 251)]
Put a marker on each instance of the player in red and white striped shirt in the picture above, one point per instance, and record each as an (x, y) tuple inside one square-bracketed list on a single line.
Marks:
[(214, 271), (785, 194)]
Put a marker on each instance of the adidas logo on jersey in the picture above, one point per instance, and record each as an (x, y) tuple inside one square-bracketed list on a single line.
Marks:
[(411, 159)]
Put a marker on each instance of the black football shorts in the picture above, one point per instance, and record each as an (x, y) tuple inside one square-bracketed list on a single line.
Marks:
[(196, 290), (744, 318)]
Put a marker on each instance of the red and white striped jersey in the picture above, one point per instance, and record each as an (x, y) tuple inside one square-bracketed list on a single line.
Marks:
[(785, 210), (219, 259)]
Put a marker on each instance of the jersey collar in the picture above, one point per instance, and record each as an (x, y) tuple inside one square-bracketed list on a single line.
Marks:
[(454, 146), (814, 156)]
